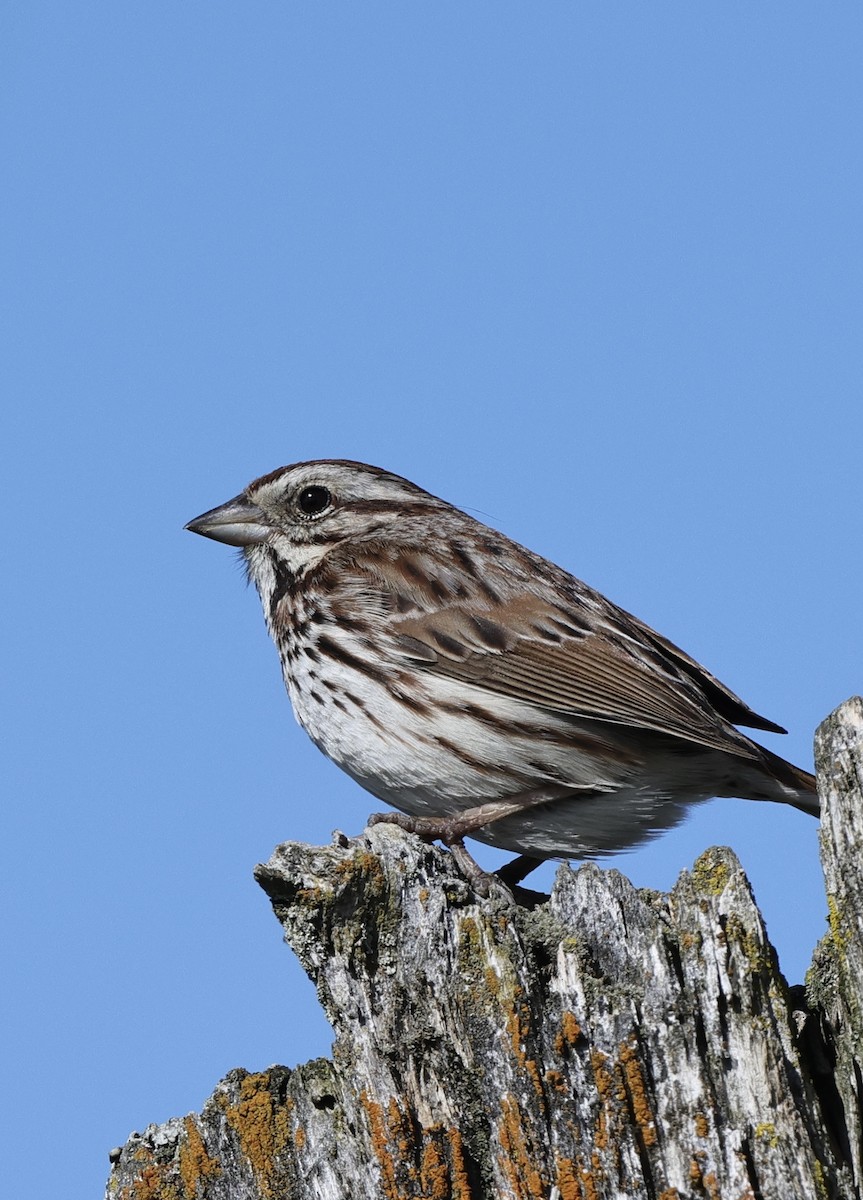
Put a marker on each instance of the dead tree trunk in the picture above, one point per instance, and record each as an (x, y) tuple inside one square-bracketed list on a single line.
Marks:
[(605, 1043)]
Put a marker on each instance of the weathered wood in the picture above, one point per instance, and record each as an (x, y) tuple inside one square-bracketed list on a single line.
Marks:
[(835, 980), (606, 1042)]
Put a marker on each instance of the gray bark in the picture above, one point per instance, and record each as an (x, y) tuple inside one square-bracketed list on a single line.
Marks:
[(606, 1042)]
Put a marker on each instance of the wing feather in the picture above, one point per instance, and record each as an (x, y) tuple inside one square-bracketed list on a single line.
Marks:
[(603, 675), (538, 635)]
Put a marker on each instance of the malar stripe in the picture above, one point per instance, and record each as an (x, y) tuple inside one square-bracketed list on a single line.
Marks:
[(283, 581)]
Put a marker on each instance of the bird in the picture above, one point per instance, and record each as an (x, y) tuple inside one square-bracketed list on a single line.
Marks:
[(476, 687)]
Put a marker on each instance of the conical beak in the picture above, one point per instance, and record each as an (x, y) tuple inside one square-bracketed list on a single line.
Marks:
[(239, 523)]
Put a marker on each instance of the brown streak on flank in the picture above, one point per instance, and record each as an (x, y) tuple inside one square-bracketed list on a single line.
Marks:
[(351, 624), (549, 773), (464, 708), (330, 647), (399, 692), (367, 714), (461, 754)]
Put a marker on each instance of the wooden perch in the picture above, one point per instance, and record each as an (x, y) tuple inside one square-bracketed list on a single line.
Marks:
[(605, 1043)]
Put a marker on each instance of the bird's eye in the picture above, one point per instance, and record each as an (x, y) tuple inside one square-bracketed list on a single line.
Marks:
[(313, 500)]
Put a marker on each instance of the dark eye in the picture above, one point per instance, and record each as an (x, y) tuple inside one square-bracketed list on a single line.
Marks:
[(313, 500)]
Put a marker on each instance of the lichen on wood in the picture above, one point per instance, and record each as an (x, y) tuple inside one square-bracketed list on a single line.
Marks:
[(602, 1042)]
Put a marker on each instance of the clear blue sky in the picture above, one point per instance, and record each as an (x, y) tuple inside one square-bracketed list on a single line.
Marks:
[(591, 270)]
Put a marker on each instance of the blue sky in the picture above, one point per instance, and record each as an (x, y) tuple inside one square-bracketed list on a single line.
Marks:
[(591, 271)]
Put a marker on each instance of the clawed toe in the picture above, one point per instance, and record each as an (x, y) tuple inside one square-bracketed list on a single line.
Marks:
[(446, 830)]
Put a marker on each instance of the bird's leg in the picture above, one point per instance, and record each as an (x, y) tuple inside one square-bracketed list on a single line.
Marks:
[(452, 830), (512, 873)]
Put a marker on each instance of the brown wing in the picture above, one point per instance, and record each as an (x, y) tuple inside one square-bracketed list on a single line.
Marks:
[(524, 628), (543, 655), (729, 706)]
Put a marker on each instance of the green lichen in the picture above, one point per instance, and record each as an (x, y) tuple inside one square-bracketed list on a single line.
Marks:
[(710, 874)]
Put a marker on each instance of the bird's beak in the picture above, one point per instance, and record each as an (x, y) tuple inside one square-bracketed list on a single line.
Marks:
[(239, 523)]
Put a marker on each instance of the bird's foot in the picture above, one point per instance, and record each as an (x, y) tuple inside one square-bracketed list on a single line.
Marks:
[(450, 831)]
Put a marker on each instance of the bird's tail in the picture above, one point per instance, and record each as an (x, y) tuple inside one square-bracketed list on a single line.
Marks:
[(798, 786)]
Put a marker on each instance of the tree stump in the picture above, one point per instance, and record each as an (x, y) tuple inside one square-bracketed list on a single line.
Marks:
[(602, 1042)]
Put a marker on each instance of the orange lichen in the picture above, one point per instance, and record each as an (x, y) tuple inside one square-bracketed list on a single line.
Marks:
[(702, 1126), (604, 1082), (460, 1181), (518, 1161), (492, 981), (196, 1165), (434, 1169), (712, 1186), (518, 1028), (637, 1090), (569, 1034), (566, 1180), (151, 1184), (556, 1081), (590, 1177), (434, 1172), (399, 1131), (601, 1074), (262, 1127), (380, 1145)]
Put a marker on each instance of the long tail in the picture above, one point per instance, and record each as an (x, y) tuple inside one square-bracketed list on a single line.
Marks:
[(798, 786)]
